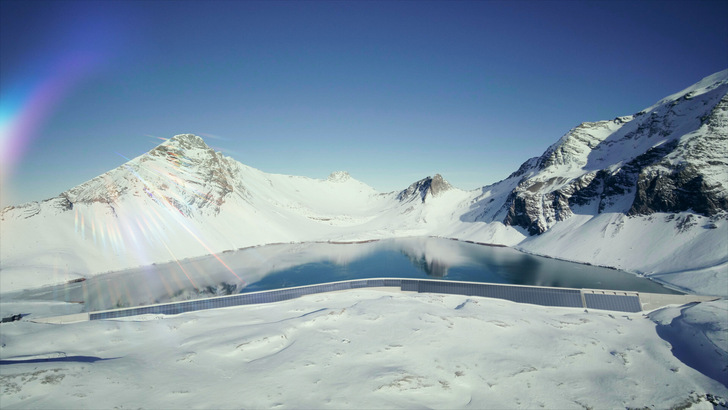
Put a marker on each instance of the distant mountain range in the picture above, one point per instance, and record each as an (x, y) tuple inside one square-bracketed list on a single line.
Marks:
[(646, 192)]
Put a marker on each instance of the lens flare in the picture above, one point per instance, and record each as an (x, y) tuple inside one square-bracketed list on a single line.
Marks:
[(136, 230), (155, 137), (26, 105)]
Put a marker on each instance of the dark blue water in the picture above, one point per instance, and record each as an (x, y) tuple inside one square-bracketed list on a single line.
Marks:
[(437, 258), (287, 265)]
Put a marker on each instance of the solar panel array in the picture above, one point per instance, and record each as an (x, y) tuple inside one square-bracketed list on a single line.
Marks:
[(244, 298), (521, 294), (622, 303)]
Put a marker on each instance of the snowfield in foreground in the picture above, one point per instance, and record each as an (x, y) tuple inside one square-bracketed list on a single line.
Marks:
[(370, 349)]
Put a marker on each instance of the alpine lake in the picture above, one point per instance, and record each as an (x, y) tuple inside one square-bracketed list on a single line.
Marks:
[(287, 265)]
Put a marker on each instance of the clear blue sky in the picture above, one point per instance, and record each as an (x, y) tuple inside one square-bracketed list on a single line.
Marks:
[(389, 91)]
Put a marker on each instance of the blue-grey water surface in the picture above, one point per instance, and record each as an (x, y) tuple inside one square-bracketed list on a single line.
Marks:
[(286, 265)]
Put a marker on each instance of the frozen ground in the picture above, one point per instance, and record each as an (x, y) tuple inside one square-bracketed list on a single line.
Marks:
[(370, 349)]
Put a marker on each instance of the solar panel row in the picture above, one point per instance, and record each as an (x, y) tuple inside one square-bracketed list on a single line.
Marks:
[(242, 299), (521, 294), (622, 303)]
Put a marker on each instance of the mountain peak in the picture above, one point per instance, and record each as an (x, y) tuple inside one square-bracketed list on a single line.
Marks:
[(432, 186), (339, 176), (182, 146), (186, 141)]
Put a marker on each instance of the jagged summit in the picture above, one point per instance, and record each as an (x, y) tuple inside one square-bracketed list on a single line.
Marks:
[(183, 145), (339, 176), (186, 141), (422, 189), (182, 174)]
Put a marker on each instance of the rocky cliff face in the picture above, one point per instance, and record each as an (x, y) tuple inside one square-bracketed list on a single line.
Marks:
[(671, 157), (424, 188)]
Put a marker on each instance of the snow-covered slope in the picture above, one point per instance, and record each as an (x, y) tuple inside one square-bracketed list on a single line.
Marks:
[(371, 349), (646, 193)]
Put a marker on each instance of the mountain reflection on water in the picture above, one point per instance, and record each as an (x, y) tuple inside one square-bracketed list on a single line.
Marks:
[(286, 265)]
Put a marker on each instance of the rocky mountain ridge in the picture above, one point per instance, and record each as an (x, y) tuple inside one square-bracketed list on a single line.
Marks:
[(424, 188), (671, 157), (205, 178)]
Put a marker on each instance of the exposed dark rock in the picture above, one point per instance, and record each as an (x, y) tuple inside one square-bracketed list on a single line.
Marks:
[(523, 212), (339, 176), (682, 167), (424, 187), (679, 191)]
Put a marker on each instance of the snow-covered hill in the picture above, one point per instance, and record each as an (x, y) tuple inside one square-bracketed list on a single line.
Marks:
[(646, 193), (364, 349)]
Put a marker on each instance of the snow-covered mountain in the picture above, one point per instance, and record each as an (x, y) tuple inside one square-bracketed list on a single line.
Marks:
[(671, 157), (646, 192)]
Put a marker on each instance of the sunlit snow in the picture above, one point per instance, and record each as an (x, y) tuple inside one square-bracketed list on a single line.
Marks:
[(369, 348)]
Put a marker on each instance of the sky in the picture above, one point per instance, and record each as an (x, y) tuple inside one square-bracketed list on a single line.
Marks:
[(391, 92)]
